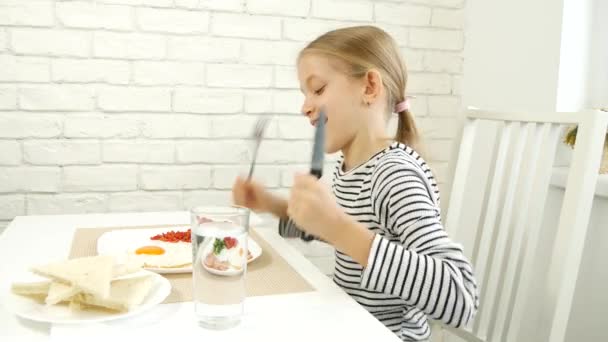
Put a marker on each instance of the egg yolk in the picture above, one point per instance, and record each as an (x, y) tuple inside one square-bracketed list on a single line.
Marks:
[(150, 250)]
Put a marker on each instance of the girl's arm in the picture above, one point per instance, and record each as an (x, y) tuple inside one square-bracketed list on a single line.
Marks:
[(424, 267), (288, 229)]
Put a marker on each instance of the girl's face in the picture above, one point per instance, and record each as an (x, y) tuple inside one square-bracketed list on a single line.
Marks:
[(325, 86)]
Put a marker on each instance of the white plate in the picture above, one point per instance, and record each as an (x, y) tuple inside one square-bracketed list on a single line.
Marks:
[(60, 314), (119, 242), (253, 247)]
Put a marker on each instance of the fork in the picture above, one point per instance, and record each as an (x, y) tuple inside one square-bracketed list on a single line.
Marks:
[(257, 135)]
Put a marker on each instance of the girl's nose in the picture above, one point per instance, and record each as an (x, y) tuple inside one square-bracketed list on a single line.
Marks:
[(307, 109)]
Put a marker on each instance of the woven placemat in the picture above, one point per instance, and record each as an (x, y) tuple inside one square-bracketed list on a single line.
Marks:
[(269, 274)]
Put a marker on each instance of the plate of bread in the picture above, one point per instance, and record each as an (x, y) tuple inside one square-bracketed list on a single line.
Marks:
[(85, 290)]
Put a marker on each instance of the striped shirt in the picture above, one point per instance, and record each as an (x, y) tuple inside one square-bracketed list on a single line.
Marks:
[(414, 270)]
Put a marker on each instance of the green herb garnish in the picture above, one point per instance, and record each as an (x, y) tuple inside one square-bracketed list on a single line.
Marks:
[(218, 245)]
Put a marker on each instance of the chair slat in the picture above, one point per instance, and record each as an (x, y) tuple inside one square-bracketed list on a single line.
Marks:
[(574, 219), (538, 117), (529, 172), (540, 188), (487, 237), (460, 176), (493, 286)]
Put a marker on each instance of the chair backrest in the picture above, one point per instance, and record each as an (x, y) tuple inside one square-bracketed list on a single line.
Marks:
[(501, 181)]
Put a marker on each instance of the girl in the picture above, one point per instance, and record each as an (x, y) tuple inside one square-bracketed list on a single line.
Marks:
[(382, 214)]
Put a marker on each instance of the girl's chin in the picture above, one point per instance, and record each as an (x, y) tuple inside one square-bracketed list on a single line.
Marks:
[(331, 147), (332, 151)]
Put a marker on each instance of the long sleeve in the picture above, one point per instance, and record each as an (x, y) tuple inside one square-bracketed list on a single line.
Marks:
[(418, 263), (288, 229)]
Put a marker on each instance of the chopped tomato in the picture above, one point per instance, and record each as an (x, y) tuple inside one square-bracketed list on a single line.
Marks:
[(230, 242), (174, 236)]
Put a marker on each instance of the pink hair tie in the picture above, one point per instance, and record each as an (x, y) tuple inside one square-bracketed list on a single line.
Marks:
[(403, 105)]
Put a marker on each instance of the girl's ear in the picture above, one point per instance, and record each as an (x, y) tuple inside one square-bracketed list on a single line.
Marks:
[(373, 86)]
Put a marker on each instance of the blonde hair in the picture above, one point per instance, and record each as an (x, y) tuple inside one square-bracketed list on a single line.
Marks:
[(363, 48)]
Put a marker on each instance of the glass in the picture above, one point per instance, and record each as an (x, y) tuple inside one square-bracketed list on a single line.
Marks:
[(219, 264)]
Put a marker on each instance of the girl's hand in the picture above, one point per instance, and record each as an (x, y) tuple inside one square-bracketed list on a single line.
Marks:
[(314, 209), (251, 194)]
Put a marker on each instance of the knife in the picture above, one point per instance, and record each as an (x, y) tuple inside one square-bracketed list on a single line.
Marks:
[(318, 147)]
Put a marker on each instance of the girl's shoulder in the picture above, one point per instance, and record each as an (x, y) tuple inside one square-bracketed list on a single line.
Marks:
[(404, 156), (401, 158)]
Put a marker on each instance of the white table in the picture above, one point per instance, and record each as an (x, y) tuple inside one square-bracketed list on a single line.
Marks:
[(324, 314)]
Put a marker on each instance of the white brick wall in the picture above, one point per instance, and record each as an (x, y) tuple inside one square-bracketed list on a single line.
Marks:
[(258, 101), (175, 178), (145, 201), (11, 206), (283, 101), (15, 125), (414, 58), (146, 152), (66, 203), (88, 71), (239, 126), (441, 61), (437, 128), (245, 26), (224, 5), (203, 49), (396, 13), (25, 179), (197, 100), (8, 97), (3, 40), (55, 42), (172, 20), (61, 152), (303, 29), (213, 151), (129, 45), (205, 197), (295, 8), (122, 99), (170, 126), (285, 152), (83, 14), (343, 10), (285, 77), (283, 53), (448, 18), (224, 175), (426, 38), (429, 83), (24, 69), (168, 73), (440, 150), (126, 105), (27, 13), (237, 75), (100, 126), (99, 178), (60, 97), (10, 153), (444, 105)]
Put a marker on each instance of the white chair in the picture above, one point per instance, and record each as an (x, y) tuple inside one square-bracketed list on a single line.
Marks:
[(501, 181)]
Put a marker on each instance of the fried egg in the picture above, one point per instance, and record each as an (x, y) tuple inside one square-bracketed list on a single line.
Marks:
[(161, 254)]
